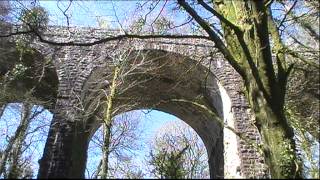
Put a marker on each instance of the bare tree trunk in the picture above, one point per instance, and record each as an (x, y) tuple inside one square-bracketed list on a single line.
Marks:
[(98, 170), (14, 146), (18, 144), (105, 152)]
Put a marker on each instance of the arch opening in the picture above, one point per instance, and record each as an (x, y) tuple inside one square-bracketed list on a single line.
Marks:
[(168, 82), (148, 131)]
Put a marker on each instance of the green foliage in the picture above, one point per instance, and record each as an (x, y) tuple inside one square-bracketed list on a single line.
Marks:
[(162, 25), (306, 145), (287, 157), (168, 164), (178, 151), (303, 97), (137, 25), (23, 45), (18, 72), (35, 18), (24, 73)]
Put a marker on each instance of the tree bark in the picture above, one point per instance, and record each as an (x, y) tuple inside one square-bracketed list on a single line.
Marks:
[(265, 89), (277, 137), (105, 150)]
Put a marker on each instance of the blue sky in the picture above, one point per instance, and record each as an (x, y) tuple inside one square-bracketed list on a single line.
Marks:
[(114, 13), (82, 13), (87, 13)]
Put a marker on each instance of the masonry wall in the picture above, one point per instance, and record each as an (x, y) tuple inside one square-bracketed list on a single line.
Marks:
[(74, 64)]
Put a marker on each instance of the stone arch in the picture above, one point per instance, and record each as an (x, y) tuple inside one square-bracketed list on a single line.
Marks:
[(76, 66), (172, 122), (171, 82)]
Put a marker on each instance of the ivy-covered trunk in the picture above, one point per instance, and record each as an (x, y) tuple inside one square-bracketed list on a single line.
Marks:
[(108, 123), (247, 37), (245, 44), (277, 136)]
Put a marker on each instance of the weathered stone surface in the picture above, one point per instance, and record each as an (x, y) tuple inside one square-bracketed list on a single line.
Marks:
[(83, 73)]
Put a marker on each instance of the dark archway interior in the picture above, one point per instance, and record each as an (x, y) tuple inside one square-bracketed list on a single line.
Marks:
[(160, 81), (24, 70)]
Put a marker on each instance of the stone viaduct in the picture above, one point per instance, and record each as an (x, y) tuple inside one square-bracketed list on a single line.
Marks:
[(163, 71)]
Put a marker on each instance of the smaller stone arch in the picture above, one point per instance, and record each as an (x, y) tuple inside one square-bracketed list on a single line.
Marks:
[(33, 74)]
